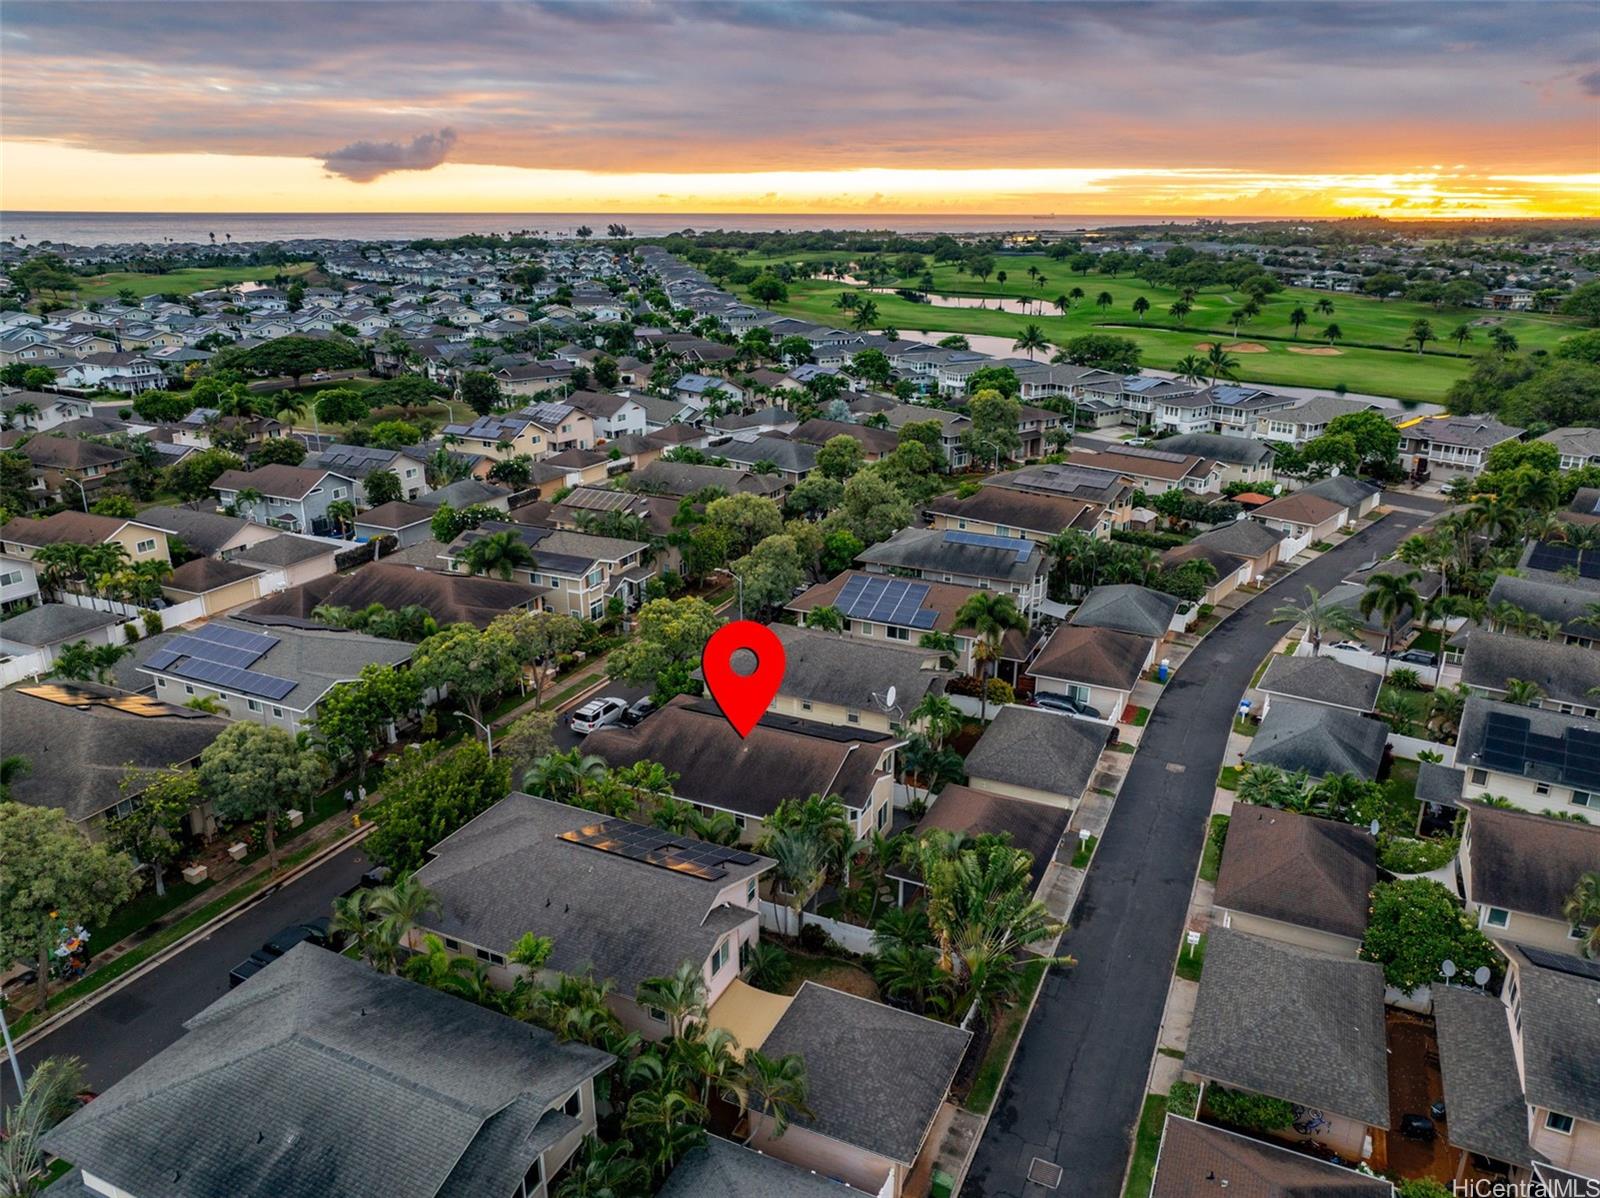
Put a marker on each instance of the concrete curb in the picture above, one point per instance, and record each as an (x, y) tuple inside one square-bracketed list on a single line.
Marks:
[(72, 1010)]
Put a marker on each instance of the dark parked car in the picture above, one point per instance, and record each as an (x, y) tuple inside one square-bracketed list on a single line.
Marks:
[(1417, 1127), (1066, 705), (637, 711), (315, 932), (1418, 657)]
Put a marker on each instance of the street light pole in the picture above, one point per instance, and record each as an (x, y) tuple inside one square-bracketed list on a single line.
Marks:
[(740, 583), (488, 732), (11, 1051), (81, 491)]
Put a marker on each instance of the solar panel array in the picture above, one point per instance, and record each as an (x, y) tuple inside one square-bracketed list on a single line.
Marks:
[(1020, 546), (1561, 962), (1150, 455), (886, 600), (1510, 744), (652, 846), (221, 656), (598, 499), (1555, 558)]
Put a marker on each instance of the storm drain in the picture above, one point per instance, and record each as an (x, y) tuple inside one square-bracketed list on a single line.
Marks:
[(1044, 1173), (1174, 768)]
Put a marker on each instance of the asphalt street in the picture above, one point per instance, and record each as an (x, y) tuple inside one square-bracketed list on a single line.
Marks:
[(1077, 1085)]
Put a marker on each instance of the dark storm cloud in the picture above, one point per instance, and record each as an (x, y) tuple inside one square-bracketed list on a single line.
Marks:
[(364, 161)]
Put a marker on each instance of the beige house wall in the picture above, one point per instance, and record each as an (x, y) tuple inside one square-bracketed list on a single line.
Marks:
[(856, 1166), (1066, 802), (1331, 943)]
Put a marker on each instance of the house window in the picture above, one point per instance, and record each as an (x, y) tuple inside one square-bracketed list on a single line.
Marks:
[(739, 822), (750, 891), (853, 717), (1542, 788), (10, 578), (1558, 1122), (450, 944), (162, 683), (187, 689), (883, 816), (574, 1104), (1584, 798), (1479, 777), (719, 958), (277, 713), (805, 704), (533, 1178), (252, 705), (145, 546), (656, 1013), (1496, 917), (897, 634)]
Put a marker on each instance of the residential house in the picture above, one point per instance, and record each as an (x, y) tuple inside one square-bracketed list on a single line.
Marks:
[(1239, 458), (1249, 540), (40, 411), (722, 1169), (1098, 667), (876, 443), (790, 461), (300, 559), (622, 899), (534, 378), (287, 1085), (576, 572), (1297, 879), (448, 598), (1578, 447), (1125, 607), (1035, 828), (142, 542), (847, 683), (273, 676), (1002, 512), (1318, 680), (220, 586), (1517, 871), (1357, 496), (1230, 571), (1309, 420), (698, 391), (1027, 753), (613, 415), (876, 1078), (291, 498), (1090, 484), (1302, 517), (1567, 677), (69, 469), (537, 431), (1197, 1160), (1540, 760), (1152, 470), (359, 461), (80, 740), (1563, 604), (467, 492), (205, 532), (1014, 566), (1448, 447), (19, 585), (1299, 1025), (408, 523), (1319, 739), (129, 373), (50, 627), (678, 479), (795, 758)]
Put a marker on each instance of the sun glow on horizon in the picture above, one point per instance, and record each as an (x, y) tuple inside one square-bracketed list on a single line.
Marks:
[(55, 176)]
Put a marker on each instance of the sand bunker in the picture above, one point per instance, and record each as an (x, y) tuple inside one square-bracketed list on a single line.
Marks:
[(1319, 351), (1238, 347)]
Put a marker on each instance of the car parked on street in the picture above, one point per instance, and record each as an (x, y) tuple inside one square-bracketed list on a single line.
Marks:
[(636, 712), (597, 713), (315, 932)]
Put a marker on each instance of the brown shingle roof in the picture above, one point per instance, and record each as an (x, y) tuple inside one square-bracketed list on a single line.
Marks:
[(285, 482), (1048, 514), (1095, 656), (1316, 873), (70, 453), (81, 528), (1299, 508)]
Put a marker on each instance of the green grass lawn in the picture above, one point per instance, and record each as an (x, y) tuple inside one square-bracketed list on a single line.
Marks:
[(1229, 778), (1085, 851), (1391, 369), (1146, 1145), (986, 1084), (198, 278), (1191, 961), (1211, 856), (145, 908)]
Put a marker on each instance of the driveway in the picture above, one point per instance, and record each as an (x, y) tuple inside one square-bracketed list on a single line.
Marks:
[(1077, 1085)]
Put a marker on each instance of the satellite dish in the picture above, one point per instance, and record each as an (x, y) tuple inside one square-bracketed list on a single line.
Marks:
[(1481, 975), (1373, 827), (890, 697), (1448, 968)]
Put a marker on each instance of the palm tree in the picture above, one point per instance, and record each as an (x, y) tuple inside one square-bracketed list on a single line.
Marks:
[(668, 1122), (681, 996), (1523, 693), (501, 553), (1191, 368), (939, 717), (562, 776), (343, 514), (866, 315), (1582, 911), (1179, 310), (245, 500), (1032, 339), (25, 411), (1461, 334), (1332, 333), (1319, 617), (1061, 304), (1297, 318), (777, 1090), (397, 908), (603, 1170), (354, 920), (1140, 307), (288, 404), (1221, 364), (1324, 306), (1393, 598), (1421, 332), (909, 974), (1104, 300), (47, 1099), (801, 860), (991, 616)]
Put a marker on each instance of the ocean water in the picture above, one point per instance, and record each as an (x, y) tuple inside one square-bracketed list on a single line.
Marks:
[(159, 228)]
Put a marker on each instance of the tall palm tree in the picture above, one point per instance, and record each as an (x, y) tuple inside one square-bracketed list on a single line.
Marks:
[(1032, 339), (1191, 369), (1103, 300), (1297, 318), (1523, 693), (343, 514), (563, 776), (801, 858), (501, 553), (25, 411), (1179, 310), (354, 920), (866, 315), (1319, 617), (46, 1100), (603, 1170), (941, 719), (1140, 307), (399, 906), (991, 615), (1220, 364), (777, 1090), (1394, 599), (1324, 306), (681, 995), (1582, 911)]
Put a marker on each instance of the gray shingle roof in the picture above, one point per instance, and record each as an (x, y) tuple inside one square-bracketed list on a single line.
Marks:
[(1035, 828), (1563, 672), (1482, 1090), (285, 550), (1246, 538), (320, 1078), (464, 492), (1472, 736), (720, 1169), (1038, 749), (1237, 451), (1441, 784), (1127, 608), (1549, 600), (824, 667), (1342, 489), (1093, 656), (508, 872), (1321, 680), (1560, 1007), (1526, 862), (934, 552), (876, 1075), (203, 532), (1295, 1024), (1298, 869), (53, 623), (1318, 739)]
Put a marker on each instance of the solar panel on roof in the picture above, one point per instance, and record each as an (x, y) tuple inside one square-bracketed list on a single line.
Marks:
[(161, 659), (652, 846), (1022, 547)]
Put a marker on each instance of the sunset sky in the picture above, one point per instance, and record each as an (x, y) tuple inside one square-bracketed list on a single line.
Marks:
[(1411, 109)]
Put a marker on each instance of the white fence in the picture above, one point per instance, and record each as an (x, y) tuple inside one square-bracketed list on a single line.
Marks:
[(1291, 546), (782, 919), (1411, 746), (1372, 663), (15, 669)]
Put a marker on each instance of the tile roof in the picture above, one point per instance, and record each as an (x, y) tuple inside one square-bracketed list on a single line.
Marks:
[(1566, 604), (448, 598), (950, 551), (208, 574), (1035, 828), (876, 1075), (1298, 869), (1294, 1024), (286, 550), (1300, 507), (509, 870), (321, 1077), (70, 453), (1040, 750)]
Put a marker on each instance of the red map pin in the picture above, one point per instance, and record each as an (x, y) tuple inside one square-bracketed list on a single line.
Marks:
[(743, 697)]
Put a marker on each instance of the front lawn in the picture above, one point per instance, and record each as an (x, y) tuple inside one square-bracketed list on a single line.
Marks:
[(1191, 960), (1229, 778), (1080, 859), (1146, 1145), (986, 1083), (1211, 856)]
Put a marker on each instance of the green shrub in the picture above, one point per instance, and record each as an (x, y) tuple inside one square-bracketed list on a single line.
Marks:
[(1422, 1187), (1251, 1112), (770, 966), (1183, 1099), (152, 623), (1402, 855)]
